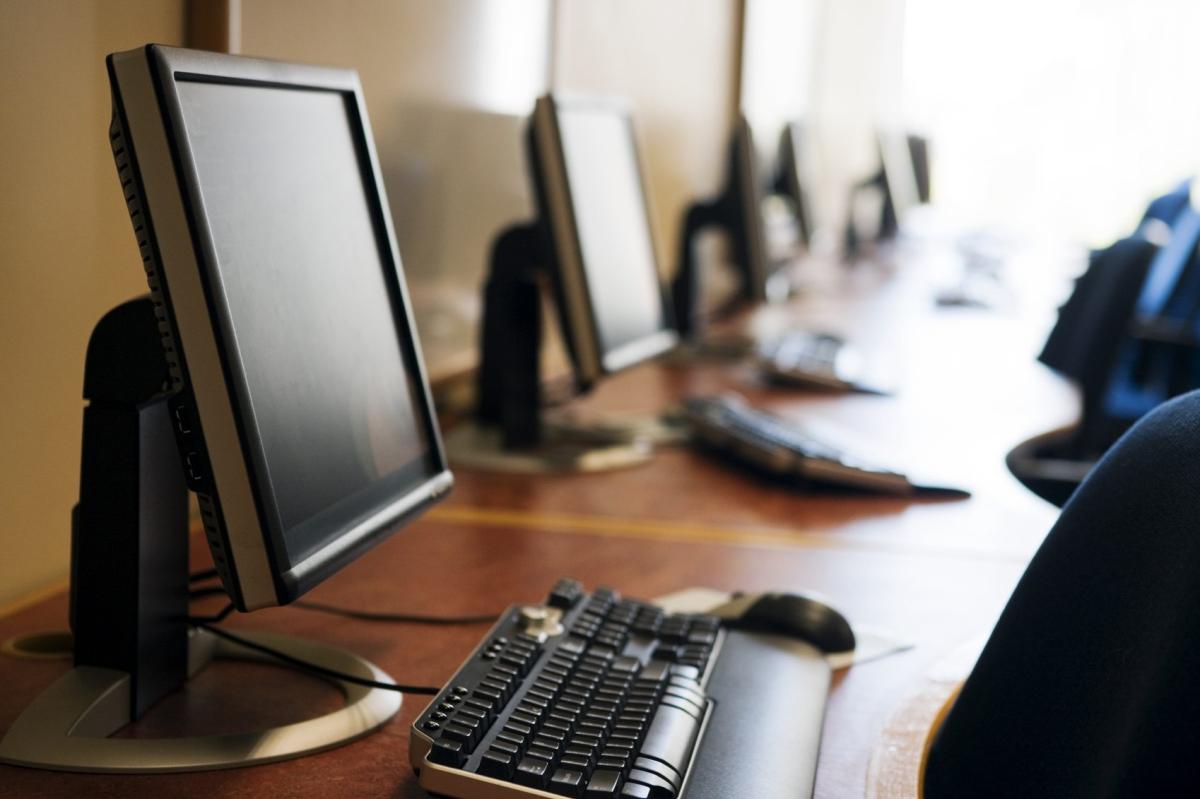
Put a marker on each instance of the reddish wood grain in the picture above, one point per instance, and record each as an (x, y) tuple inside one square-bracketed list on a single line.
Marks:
[(934, 572)]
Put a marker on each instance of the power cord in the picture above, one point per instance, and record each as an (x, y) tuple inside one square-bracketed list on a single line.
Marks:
[(398, 618), (349, 613), (312, 668)]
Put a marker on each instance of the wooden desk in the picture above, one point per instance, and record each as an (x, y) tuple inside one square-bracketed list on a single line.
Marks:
[(936, 572)]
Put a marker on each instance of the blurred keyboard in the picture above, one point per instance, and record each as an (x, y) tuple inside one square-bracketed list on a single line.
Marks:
[(815, 359), (727, 426)]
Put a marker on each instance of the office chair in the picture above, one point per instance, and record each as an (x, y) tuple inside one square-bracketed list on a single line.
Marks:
[(1088, 685)]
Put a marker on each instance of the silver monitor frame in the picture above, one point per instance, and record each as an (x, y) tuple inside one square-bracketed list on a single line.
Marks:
[(179, 256)]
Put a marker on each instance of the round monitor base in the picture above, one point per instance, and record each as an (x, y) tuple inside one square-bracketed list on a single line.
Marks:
[(562, 451), (67, 727), (667, 429)]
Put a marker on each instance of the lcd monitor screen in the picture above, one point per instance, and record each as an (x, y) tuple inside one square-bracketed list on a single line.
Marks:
[(613, 227), (329, 396)]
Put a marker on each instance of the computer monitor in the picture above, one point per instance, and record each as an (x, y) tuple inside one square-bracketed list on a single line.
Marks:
[(792, 177), (902, 191), (759, 253), (593, 243), (263, 224), (274, 370), (593, 210)]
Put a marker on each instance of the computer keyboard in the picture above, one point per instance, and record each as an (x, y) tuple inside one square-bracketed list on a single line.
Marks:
[(595, 695), (729, 427), (816, 359)]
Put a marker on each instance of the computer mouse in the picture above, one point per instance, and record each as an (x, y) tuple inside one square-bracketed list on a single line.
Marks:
[(794, 615)]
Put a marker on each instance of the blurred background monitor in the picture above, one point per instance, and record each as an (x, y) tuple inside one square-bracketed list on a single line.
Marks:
[(902, 192), (793, 179), (593, 207)]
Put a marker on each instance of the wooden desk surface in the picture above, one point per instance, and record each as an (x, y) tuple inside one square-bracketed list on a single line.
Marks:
[(934, 572)]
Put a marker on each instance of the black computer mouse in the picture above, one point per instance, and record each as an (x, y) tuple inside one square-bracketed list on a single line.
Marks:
[(795, 615)]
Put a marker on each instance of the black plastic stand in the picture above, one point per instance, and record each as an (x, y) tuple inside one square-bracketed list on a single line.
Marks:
[(129, 564), (509, 393), (511, 434), (686, 289), (853, 240), (129, 593)]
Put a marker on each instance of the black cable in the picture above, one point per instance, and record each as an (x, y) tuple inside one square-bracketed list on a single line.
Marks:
[(398, 618), (313, 668), (221, 615), (350, 613)]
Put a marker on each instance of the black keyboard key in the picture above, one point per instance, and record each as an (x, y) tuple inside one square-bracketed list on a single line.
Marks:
[(571, 646), (557, 736), (627, 665), (633, 790), (496, 763), (567, 782), (447, 752), (516, 728), (541, 753), (487, 694), (531, 771), (524, 718), (517, 741), (617, 764), (500, 745), (565, 594), (603, 784), (576, 763), (458, 732)]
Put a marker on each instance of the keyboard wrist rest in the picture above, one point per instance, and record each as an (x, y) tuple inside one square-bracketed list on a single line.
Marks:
[(763, 732)]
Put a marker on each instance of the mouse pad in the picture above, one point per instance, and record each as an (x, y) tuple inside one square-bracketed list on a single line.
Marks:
[(873, 643)]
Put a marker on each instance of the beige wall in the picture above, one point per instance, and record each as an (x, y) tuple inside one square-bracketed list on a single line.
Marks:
[(676, 61), (67, 254), (448, 84)]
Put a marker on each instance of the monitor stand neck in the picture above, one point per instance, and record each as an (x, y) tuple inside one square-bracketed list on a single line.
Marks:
[(130, 591), (509, 377), (687, 289), (509, 433)]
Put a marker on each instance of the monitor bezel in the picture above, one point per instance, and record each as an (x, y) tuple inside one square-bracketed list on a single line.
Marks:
[(749, 194), (552, 189), (893, 147), (791, 153), (167, 66)]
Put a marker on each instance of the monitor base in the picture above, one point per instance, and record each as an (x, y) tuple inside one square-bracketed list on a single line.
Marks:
[(719, 347), (561, 450), (67, 727), (665, 429)]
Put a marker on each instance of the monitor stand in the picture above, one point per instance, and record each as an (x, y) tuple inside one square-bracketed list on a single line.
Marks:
[(129, 592), (509, 433), (687, 292)]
